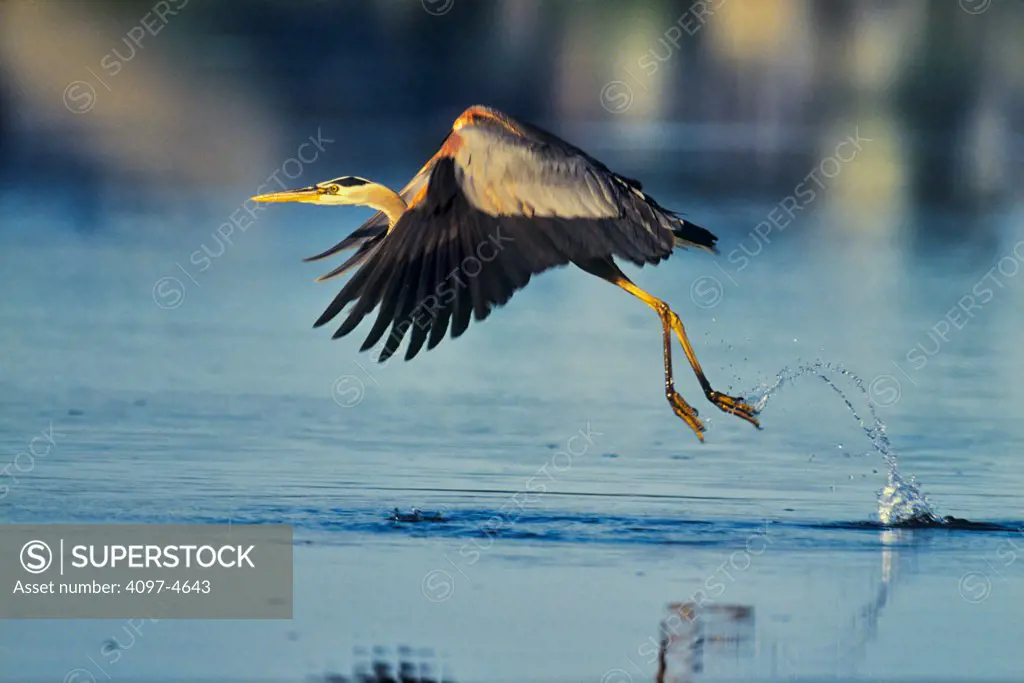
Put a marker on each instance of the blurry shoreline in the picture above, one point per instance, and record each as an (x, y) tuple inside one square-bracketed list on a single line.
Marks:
[(755, 94)]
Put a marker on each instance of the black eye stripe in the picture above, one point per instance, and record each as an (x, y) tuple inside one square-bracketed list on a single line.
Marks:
[(349, 181)]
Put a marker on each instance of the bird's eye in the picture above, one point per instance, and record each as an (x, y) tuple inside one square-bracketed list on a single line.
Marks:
[(333, 189)]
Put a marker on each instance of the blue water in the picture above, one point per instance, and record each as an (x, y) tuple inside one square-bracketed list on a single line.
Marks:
[(227, 407)]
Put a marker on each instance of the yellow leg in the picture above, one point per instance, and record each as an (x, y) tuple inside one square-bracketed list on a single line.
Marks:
[(729, 404), (679, 405)]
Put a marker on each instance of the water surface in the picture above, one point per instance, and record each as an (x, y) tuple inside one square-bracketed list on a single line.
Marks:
[(226, 406)]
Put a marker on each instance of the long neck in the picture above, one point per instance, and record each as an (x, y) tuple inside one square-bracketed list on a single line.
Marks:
[(383, 199)]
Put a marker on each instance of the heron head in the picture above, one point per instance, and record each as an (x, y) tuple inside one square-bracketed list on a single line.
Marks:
[(344, 190)]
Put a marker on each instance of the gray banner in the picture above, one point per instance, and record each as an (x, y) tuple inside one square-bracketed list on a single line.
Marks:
[(157, 571)]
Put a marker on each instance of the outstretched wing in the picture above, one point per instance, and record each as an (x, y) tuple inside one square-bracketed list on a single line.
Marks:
[(503, 202)]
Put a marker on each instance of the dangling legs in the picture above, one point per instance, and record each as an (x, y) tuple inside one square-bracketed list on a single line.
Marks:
[(730, 404)]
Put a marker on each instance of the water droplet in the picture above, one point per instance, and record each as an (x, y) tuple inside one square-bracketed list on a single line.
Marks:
[(901, 499)]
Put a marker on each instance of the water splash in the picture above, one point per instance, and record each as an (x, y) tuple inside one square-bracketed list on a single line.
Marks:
[(900, 501), (416, 515)]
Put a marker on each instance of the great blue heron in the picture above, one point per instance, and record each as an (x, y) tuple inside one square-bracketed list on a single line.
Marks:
[(512, 201)]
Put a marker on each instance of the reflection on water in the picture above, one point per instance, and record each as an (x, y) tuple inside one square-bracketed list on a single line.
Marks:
[(718, 638), (692, 631), (863, 625), (408, 666), (697, 641)]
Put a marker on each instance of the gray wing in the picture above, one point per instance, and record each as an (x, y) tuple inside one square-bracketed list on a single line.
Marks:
[(517, 169), (506, 174)]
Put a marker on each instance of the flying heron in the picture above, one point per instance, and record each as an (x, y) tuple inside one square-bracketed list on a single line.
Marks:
[(510, 200)]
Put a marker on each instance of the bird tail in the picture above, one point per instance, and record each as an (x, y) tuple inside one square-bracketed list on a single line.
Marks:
[(689, 234)]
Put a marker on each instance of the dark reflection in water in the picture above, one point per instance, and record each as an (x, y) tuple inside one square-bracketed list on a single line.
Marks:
[(696, 636), (694, 631), (408, 666)]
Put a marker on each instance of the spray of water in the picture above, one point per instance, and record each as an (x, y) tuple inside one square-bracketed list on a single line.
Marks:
[(900, 501)]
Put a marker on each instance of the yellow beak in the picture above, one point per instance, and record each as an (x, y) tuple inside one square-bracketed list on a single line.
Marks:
[(303, 194)]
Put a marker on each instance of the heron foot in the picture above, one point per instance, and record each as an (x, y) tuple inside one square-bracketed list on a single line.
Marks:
[(686, 412), (735, 406)]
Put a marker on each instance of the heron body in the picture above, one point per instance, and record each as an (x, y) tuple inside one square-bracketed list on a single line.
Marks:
[(499, 202)]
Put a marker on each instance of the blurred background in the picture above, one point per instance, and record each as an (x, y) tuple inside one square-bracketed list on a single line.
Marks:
[(860, 161), (100, 97)]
